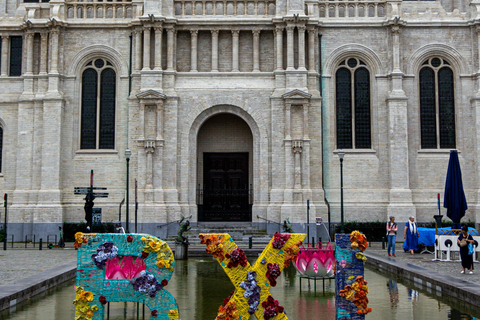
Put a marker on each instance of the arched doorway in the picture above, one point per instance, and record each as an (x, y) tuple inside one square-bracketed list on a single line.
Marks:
[(224, 169)]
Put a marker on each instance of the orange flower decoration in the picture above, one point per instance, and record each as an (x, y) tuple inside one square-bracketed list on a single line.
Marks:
[(228, 312), (292, 253), (214, 245), (357, 293), (358, 240)]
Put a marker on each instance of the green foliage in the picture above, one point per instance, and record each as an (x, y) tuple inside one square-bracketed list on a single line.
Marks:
[(376, 230), (69, 229)]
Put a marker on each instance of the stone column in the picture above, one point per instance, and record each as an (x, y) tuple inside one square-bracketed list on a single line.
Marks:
[(193, 50), (138, 49), (170, 46), (53, 77), (297, 146), (215, 50), (158, 47), (290, 44), (288, 115), (401, 201), (305, 121), (312, 33), (235, 38), (146, 48), (279, 35), (301, 47), (29, 48), (5, 49), (160, 121), (397, 75), (43, 52), (149, 150), (54, 47), (256, 50), (396, 48)]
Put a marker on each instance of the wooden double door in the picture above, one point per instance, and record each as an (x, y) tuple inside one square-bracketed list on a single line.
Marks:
[(226, 195)]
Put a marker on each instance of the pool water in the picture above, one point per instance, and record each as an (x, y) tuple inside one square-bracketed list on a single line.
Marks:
[(200, 285)]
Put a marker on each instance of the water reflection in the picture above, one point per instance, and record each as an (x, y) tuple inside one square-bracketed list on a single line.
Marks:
[(200, 285), (393, 293)]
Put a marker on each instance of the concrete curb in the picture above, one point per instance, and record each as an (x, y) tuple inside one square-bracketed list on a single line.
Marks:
[(441, 285), (16, 292)]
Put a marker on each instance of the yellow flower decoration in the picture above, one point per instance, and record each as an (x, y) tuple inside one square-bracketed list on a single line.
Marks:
[(350, 295), (361, 256), (354, 245), (79, 237), (356, 286), (173, 314), (83, 311), (164, 262)]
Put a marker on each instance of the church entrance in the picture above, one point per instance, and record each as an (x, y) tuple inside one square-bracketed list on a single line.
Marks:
[(224, 170), (226, 192)]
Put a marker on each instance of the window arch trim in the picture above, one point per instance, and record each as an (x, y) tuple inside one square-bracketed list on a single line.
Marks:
[(353, 122)]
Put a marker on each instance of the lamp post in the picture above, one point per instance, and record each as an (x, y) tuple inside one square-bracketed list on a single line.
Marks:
[(128, 154), (341, 155)]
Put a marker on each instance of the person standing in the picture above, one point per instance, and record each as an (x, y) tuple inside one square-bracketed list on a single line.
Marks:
[(391, 235), (411, 235), (467, 259)]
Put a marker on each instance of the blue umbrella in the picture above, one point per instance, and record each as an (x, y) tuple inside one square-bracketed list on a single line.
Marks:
[(454, 199)]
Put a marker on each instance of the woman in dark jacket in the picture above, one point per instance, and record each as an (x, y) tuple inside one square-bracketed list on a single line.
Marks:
[(467, 259)]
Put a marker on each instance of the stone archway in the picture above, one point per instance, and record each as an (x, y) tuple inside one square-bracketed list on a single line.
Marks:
[(224, 169)]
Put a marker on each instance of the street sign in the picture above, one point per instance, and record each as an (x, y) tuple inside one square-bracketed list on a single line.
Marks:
[(101, 195)]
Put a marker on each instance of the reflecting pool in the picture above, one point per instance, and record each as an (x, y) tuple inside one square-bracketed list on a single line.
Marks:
[(200, 285)]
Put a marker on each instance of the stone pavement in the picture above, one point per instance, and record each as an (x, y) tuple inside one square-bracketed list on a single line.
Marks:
[(425, 261), (19, 263)]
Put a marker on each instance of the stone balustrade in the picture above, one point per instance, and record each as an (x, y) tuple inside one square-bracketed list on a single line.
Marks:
[(347, 9), (224, 8), (121, 9)]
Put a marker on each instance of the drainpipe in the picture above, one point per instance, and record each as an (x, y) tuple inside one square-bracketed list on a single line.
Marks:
[(320, 89)]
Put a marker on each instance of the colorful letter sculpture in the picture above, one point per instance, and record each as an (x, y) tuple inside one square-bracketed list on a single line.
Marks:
[(120, 268), (252, 284), (316, 262), (350, 287)]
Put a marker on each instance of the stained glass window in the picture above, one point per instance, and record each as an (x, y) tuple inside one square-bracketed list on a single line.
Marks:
[(352, 90), (437, 105), (98, 106)]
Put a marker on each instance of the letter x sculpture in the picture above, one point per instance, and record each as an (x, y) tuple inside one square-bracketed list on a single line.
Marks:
[(253, 283)]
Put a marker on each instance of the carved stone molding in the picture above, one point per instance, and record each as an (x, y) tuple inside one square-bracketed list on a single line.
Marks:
[(297, 146)]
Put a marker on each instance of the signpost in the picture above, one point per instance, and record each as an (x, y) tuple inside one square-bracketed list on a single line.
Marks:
[(89, 197), (5, 197)]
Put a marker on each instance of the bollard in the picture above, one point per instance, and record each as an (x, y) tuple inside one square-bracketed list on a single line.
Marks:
[(383, 242), (40, 244), (250, 242), (320, 239), (25, 241), (313, 242)]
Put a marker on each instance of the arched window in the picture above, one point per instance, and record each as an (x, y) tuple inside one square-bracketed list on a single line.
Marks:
[(437, 105), (98, 105), (352, 92)]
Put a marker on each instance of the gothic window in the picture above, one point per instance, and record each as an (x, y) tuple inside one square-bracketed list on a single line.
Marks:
[(98, 105), (352, 92), (16, 43), (437, 105)]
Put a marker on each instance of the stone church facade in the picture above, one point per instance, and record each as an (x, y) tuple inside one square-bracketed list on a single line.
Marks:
[(236, 110)]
